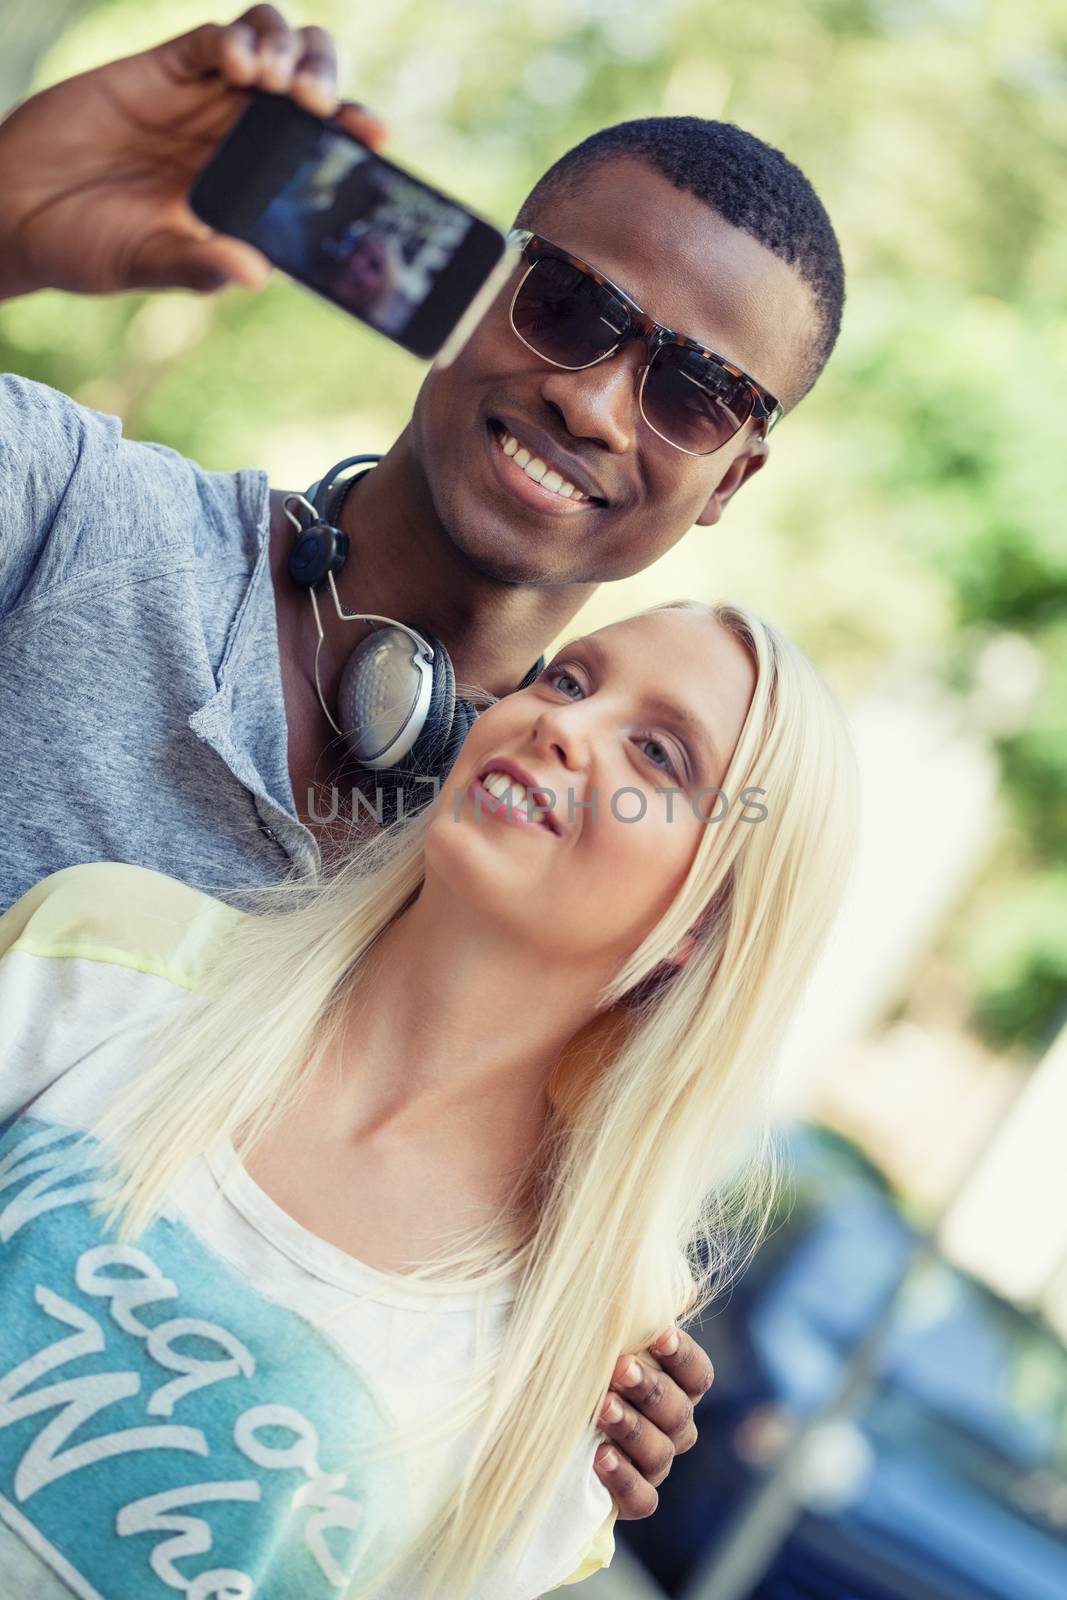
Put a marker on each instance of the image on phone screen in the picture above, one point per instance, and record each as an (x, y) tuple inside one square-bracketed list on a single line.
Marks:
[(370, 238), (342, 219)]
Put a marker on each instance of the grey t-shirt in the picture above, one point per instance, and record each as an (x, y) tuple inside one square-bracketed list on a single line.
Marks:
[(142, 716)]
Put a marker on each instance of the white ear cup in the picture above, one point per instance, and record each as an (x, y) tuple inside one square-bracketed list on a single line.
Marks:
[(384, 697), (398, 686)]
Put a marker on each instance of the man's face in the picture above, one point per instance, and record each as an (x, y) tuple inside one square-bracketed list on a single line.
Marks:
[(689, 270)]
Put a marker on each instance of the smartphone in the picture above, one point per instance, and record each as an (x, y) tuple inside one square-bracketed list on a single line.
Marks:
[(380, 243)]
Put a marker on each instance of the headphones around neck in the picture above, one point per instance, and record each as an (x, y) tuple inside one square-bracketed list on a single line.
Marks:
[(397, 707)]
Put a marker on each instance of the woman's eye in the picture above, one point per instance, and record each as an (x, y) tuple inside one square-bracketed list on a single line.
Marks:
[(661, 756), (558, 676)]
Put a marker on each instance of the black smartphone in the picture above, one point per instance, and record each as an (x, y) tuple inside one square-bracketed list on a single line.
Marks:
[(377, 241)]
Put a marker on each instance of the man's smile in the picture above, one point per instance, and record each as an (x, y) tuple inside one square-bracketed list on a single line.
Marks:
[(533, 478)]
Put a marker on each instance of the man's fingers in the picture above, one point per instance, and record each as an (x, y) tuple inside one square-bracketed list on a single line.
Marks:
[(357, 120), (274, 45), (648, 1416), (171, 258), (655, 1394), (633, 1495), (209, 49), (689, 1365), (236, 55), (650, 1451), (222, 260), (655, 1415), (271, 30), (315, 79), (260, 51)]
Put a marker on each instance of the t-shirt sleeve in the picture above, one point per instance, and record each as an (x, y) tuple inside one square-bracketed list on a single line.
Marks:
[(86, 947), (597, 1554), (45, 438), (77, 496)]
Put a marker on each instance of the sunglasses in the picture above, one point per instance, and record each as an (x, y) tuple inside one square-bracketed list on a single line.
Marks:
[(568, 313)]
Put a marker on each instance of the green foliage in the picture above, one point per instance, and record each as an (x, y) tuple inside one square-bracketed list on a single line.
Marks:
[(916, 504), (1012, 942)]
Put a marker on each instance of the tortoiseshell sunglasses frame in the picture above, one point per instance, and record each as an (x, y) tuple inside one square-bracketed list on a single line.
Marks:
[(766, 409)]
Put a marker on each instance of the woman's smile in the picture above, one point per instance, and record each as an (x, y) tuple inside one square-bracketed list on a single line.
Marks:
[(508, 807)]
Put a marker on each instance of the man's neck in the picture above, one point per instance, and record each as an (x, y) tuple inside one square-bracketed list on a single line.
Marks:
[(403, 564)]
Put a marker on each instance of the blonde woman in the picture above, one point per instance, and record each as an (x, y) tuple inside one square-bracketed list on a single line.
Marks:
[(271, 1184)]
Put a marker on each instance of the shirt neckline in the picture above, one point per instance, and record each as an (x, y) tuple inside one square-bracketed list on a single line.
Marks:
[(328, 1261)]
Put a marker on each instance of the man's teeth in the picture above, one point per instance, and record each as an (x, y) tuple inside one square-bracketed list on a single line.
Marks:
[(502, 787), (536, 469)]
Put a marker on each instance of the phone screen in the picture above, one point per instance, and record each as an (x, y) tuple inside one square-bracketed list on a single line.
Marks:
[(379, 242)]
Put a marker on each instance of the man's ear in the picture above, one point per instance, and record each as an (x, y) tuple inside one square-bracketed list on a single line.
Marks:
[(737, 473)]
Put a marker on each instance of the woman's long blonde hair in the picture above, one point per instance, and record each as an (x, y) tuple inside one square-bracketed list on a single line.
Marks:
[(656, 1173)]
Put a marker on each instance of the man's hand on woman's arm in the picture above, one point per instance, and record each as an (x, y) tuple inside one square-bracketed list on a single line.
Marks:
[(655, 1423), (94, 172)]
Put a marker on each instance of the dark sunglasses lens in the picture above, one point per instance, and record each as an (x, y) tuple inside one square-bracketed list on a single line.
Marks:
[(565, 315), (692, 402)]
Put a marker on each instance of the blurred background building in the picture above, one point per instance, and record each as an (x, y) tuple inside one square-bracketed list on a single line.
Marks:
[(889, 1417)]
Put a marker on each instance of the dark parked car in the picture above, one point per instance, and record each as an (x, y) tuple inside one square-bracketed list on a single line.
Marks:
[(945, 1482)]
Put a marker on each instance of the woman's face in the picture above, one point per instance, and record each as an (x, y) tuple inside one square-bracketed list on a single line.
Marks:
[(652, 704)]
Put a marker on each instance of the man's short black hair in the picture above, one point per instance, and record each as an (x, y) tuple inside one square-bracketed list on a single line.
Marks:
[(749, 183)]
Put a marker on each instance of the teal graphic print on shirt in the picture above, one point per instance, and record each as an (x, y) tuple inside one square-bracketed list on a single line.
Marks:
[(164, 1427)]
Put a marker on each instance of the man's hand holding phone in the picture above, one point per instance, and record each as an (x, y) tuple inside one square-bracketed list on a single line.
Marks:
[(95, 172)]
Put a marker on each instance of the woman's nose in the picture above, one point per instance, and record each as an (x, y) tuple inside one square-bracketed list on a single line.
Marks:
[(561, 732)]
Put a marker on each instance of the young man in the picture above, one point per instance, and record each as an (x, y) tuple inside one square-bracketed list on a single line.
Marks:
[(159, 699)]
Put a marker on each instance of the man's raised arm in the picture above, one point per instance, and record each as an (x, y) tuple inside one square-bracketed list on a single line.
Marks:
[(94, 172)]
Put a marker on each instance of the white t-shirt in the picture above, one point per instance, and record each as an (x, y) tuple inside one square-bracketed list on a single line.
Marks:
[(184, 1416)]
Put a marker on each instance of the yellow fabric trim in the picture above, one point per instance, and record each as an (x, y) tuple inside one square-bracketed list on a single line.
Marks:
[(598, 1553), (121, 915), (115, 957)]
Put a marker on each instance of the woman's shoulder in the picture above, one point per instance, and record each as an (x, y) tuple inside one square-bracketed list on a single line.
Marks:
[(123, 915)]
